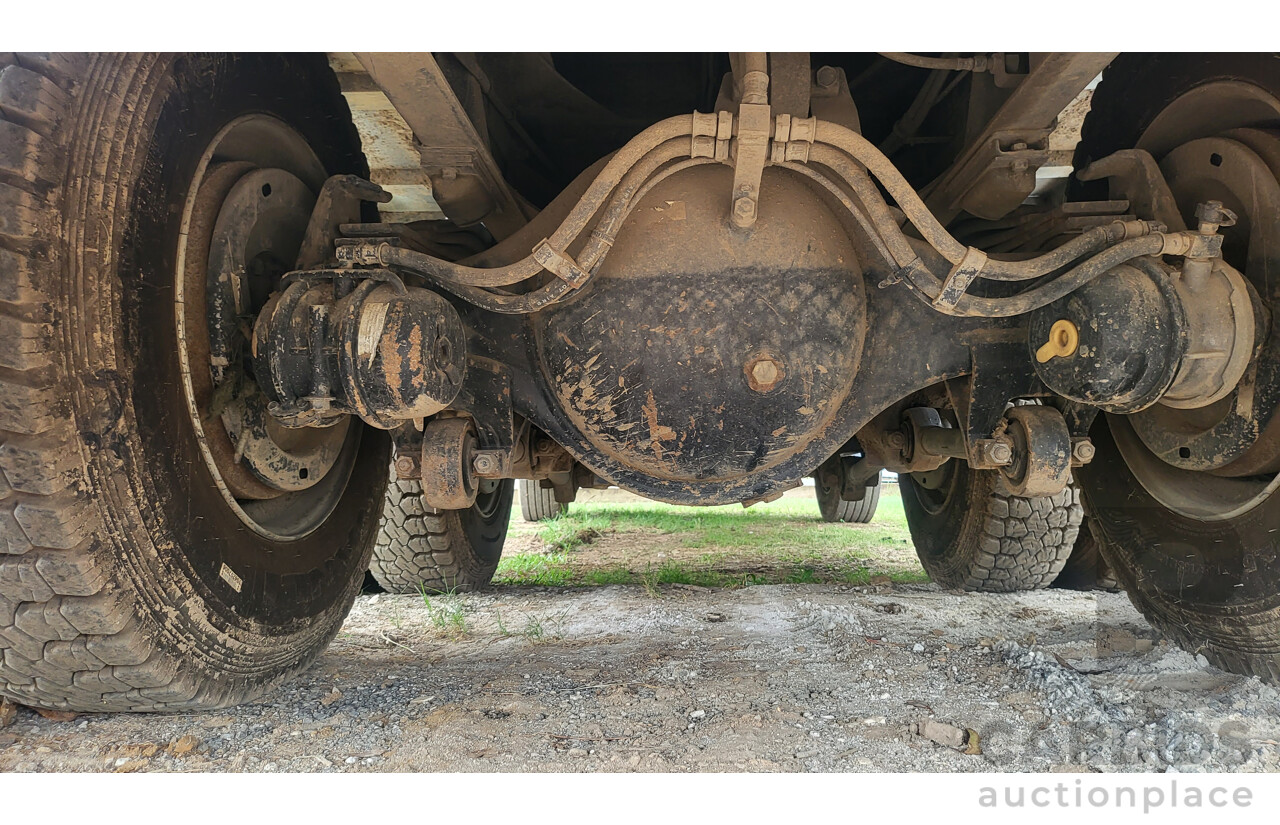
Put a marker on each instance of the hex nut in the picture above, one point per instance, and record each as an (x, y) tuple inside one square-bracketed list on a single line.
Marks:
[(764, 372), (997, 452)]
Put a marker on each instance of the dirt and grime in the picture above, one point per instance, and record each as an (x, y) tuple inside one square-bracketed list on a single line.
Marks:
[(769, 678)]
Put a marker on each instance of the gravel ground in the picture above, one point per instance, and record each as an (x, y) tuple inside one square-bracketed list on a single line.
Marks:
[(770, 678)]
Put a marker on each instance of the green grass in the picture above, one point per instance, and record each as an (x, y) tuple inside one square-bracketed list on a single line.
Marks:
[(445, 612), (784, 541)]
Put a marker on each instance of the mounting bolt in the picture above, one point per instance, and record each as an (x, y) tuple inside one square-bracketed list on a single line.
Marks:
[(828, 77), (997, 453), (1083, 451), (744, 211), (897, 441), (406, 466), (484, 464)]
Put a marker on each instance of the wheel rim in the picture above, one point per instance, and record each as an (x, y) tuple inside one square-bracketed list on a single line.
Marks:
[(1212, 464), (246, 209), (935, 488), (488, 497)]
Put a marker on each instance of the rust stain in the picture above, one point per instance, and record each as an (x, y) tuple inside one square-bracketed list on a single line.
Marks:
[(657, 432)]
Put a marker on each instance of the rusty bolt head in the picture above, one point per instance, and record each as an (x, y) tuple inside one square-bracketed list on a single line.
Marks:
[(484, 464), (764, 372), (828, 77), (1083, 451), (744, 208), (406, 467), (997, 452), (897, 441)]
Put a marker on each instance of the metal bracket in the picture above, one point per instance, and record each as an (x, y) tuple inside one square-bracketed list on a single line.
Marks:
[(560, 264), (958, 280), (751, 153), (1025, 118), (338, 203), (1001, 371), (486, 397), (1134, 176)]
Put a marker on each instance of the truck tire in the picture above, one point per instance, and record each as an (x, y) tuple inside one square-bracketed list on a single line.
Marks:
[(440, 551), (971, 534), (1196, 550), (538, 503), (130, 577), (1086, 569), (835, 509)]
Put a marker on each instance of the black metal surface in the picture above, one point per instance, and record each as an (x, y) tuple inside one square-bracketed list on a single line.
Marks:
[(1130, 326)]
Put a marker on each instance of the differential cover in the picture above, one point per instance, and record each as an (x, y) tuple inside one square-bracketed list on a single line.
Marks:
[(702, 356)]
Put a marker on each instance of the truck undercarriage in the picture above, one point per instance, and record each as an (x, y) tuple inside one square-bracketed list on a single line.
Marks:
[(236, 293)]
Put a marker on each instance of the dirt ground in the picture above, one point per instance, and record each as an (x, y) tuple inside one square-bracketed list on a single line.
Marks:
[(683, 678)]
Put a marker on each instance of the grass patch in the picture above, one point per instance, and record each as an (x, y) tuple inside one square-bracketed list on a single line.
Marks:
[(636, 542), (445, 613)]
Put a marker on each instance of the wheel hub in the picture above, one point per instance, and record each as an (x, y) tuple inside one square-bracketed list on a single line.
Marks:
[(1219, 461), (255, 241), (1225, 437), (245, 217)]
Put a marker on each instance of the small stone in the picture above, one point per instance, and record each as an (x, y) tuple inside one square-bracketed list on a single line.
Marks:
[(329, 698), (56, 715), (714, 616), (942, 733), (577, 753), (184, 745), (351, 760), (917, 648), (874, 720), (374, 598), (698, 714), (8, 712)]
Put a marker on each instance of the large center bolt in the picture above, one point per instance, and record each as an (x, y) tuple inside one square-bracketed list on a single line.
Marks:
[(384, 352)]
